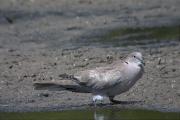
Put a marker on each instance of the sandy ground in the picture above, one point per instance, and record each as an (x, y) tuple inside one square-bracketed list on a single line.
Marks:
[(36, 44)]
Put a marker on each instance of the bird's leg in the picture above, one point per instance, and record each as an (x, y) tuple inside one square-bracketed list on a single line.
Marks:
[(97, 98)]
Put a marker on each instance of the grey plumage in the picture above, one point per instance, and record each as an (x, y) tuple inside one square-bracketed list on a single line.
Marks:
[(109, 81)]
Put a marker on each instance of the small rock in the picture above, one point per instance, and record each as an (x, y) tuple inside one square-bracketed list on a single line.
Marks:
[(51, 78), (55, 64), (178, 93), (33, 75), (9, 19), (43, 95), (31, 101), (73, 28), (173, 70), (25, 76), (11, 66), (11, 50), (69, 99), (86, 59), (161, 61), (109, 57)]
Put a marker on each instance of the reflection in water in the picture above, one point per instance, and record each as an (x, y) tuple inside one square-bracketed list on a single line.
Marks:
[(105, 115), (96, 114), (118, 114), (99, 116)]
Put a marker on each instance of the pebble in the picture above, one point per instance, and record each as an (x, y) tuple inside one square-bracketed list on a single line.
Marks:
[(43, 95), (178, 93)]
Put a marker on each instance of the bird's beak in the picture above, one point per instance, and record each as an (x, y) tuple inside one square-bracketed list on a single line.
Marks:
[(142, 62)]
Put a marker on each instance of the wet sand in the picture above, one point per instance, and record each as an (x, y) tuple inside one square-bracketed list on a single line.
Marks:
[(37, 44)]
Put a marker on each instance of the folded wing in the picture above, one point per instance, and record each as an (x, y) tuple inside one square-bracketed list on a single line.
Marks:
[(100, 78)]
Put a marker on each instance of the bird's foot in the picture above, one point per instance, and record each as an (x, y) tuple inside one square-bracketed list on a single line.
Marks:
[(97, 99)]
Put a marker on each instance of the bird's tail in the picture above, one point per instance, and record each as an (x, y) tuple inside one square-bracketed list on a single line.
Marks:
[(59, 87), (69, 77)]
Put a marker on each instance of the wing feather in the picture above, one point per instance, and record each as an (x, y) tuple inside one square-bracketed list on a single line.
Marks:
[(100, 78)]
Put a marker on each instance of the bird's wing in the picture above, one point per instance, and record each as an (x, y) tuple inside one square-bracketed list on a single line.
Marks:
[(100, 78)]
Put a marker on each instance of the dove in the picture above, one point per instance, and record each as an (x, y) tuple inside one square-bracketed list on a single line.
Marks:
[(106, 81)]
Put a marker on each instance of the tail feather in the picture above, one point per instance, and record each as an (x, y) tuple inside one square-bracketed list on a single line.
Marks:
[(58, 87)]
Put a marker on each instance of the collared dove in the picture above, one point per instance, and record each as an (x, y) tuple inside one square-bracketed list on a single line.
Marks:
[(109, 81)]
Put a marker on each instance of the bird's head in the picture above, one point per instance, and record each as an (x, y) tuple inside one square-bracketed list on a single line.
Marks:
[(136, 57)]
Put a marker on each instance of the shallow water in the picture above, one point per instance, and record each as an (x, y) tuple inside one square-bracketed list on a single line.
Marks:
[(100, 114)]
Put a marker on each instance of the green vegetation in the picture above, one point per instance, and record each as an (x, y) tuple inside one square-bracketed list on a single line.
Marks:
[(139, 36), (165, 32)]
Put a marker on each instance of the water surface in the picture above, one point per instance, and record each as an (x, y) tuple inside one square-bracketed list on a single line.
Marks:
[(99, 114)]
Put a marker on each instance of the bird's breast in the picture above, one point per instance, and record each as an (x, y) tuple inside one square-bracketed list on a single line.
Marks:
[(132, 73)]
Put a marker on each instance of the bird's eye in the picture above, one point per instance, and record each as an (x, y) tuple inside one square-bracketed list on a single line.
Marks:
[(134, 56)]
